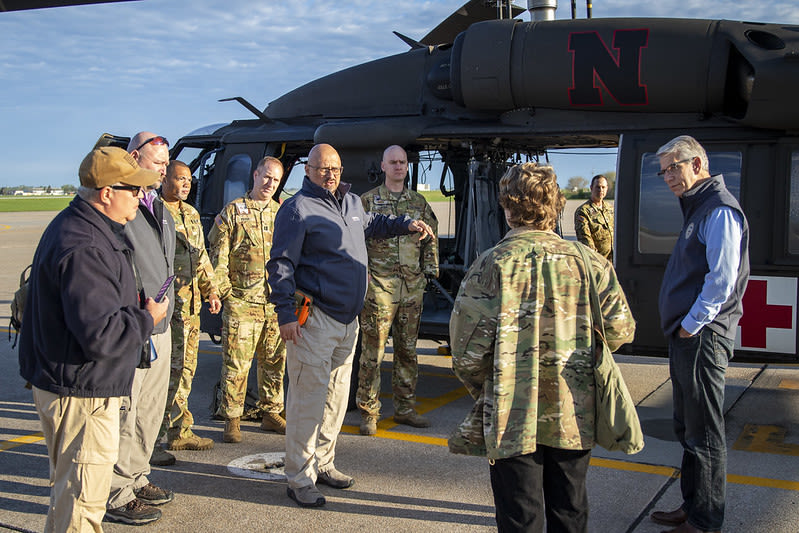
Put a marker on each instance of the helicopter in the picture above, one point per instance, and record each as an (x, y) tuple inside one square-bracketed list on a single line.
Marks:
[(484, 90)]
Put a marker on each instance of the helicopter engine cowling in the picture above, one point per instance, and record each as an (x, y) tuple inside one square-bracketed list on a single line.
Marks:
[(629, 65)]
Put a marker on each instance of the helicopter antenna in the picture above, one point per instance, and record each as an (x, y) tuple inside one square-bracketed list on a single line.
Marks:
[(413, 43), (254, 110)]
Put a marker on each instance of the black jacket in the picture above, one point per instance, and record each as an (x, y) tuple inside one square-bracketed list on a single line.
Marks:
[(83, 329)]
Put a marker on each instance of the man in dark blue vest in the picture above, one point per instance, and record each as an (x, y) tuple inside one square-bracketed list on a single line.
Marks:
[(700, 305)]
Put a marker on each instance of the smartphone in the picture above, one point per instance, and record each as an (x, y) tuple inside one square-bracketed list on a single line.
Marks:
[(164, 288)]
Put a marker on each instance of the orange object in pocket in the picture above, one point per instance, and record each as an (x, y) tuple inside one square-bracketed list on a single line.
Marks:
[(303, 307)]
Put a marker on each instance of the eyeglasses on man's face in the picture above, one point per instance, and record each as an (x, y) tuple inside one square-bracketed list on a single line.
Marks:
[(673, 167), (157, 141), (325, 170), (135, 189)]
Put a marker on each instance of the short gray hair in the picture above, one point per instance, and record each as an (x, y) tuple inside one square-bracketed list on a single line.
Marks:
[(87, 193), (685, 147)]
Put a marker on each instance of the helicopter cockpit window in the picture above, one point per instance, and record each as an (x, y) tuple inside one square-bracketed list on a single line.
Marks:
[(237, 177), (659, 215), (793, 220)]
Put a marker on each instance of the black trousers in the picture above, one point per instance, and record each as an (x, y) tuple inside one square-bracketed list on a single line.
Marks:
[(547, 483)]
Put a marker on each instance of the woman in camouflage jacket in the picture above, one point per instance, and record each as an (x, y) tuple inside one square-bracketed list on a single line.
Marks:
[(521, 344)]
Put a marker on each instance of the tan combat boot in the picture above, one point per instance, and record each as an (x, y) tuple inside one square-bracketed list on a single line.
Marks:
[(232, 430), (273, 422), (368, 425)]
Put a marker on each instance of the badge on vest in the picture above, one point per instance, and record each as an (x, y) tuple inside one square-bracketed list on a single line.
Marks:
[(689, 230), (241, 208)]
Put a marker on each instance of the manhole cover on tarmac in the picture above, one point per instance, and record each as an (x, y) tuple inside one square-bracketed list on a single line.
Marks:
[(260, 466)]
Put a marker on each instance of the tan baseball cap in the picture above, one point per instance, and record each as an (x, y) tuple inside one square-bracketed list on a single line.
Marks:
[(109, 165)]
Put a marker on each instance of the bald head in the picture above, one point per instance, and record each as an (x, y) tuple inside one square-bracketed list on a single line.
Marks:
[(177, 183), (151, 151), (395, 166), (324, 167)]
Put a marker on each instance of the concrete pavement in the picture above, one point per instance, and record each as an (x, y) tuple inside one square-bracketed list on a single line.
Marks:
[(405, 478)]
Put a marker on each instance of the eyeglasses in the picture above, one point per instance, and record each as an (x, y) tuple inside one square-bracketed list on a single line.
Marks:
[(135, 189), (333, 170), (673, 166), (157, 140)]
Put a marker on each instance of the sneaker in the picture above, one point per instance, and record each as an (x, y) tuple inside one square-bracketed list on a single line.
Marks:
[(192, 442), (161, 457), (232, 431), (307, 496), (135, 512), (368, 425), (152, 495), (274, 422), (412, 419), (334, 478)]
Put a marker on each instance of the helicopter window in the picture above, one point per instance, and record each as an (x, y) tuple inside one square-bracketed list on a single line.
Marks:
[(237, 177), (659, 215), (793, 221)]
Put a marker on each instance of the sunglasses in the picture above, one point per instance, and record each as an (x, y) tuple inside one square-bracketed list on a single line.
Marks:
[(135, 189), (157, 140)]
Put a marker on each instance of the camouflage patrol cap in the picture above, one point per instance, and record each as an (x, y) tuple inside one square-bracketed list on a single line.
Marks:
[(109, 165)]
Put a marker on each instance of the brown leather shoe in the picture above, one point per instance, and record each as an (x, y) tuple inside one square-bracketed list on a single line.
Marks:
[(670, 518), (273, 422), (232, 430)]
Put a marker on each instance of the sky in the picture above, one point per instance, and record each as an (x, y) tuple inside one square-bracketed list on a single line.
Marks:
[(69, 74)]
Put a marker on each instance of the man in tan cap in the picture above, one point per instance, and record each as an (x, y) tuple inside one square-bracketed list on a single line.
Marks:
[(84, 333)]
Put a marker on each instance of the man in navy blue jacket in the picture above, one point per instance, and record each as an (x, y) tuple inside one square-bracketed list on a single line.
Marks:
[(319, 249), (83, 333), (700, 305)]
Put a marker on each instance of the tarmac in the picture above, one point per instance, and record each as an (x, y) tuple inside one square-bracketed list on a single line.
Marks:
[(406, 480)]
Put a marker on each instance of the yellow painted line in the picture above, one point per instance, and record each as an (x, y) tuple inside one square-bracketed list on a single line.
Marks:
[(395, 435), (21, 441), (763, 482), (5, 227), (641, 468), (792, 384), (765, 439)]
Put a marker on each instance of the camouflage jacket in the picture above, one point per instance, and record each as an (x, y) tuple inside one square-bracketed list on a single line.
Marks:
[(521, 344), (404, 257), (240, 243), (594, 227), (194, 274)]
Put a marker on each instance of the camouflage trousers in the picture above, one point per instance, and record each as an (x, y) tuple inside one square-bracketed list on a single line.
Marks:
[(399, 313), (249, 329), (185, 345)]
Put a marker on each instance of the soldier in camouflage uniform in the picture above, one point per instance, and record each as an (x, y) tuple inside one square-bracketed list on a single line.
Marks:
[(240, 243), (593, 221), (194, 280), (398, 267), (521, 344)]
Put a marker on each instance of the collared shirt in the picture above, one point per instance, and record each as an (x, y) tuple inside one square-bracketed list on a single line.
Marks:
[(721, 232)]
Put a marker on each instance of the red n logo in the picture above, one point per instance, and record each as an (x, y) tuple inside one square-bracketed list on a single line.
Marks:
[(619, 71)]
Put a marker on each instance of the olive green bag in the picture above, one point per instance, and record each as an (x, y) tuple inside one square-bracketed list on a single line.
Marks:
[(617, 424)]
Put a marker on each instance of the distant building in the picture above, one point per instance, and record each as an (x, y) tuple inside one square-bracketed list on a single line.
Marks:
[(423, 187)]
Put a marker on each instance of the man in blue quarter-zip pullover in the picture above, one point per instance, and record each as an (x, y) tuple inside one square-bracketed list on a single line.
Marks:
[(319, 250)]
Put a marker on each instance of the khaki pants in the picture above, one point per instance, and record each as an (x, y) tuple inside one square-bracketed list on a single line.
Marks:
[(140, 420), (319, 366), (82, 436)]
